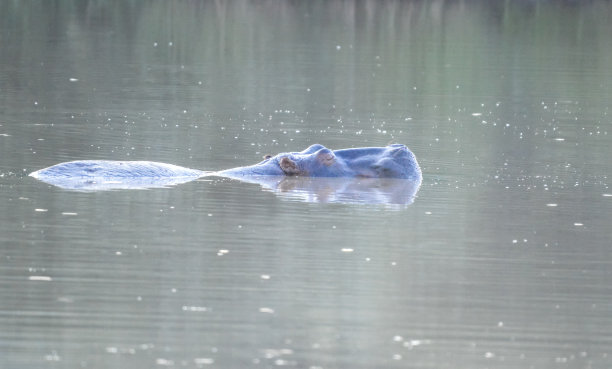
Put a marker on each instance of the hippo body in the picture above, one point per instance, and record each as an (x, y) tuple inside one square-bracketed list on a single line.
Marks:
[(96, 175), (394, 161)]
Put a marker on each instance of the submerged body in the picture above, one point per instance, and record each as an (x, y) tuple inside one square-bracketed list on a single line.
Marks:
[(96, 175), (393, 161)]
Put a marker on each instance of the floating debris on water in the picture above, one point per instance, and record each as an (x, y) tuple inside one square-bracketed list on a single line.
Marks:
[(203, 361), (39, 278), (198, 309)]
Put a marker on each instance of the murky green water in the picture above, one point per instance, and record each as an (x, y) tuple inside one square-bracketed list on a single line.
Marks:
[(503, 260)]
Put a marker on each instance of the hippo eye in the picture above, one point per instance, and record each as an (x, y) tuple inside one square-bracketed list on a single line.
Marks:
[(266, 157)]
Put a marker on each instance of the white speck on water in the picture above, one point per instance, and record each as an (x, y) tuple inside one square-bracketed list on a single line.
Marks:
[(266, 310), (578, 224), (476, 114), (69, 213), (73, 79), (197, 309), (53, 356), (514, 241), (398, 338), (489, 355), (203, 361), (428, 213), (43, 278), (552, 205), (346, 249), (155, 44), (397, 357), (338, 47), (607, 195), (414, 343), (118, 253), (559, 139), (41, 210), (222, 252), (210, 214), (173, 290), (170, 43), (164, 362), (500, 324), (112, 350), (265, 276)]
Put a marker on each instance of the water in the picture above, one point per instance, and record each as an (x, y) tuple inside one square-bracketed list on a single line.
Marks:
[(503, 260)]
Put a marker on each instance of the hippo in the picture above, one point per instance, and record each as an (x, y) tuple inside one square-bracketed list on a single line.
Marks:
[(390, 162), (393, 161)]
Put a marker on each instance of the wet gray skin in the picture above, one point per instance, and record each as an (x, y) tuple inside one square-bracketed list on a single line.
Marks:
[(393, 161)]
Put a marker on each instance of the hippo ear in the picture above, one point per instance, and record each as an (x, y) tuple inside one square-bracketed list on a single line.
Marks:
[(398, 150), (288, 166), (326, 157)]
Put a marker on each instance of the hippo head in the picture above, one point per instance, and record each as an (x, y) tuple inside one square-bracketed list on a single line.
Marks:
[(394, 161)]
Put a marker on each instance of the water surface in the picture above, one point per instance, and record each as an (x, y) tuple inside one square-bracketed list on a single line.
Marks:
[(502, 261)]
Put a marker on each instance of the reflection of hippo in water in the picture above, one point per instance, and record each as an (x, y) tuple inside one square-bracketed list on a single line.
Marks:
[(388, 191), (391, 162)]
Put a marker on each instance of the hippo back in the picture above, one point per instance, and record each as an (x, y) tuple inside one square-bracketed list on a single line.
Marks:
[(107, 174)]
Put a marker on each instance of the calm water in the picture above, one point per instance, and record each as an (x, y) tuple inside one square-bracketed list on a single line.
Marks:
[(502, 261)]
